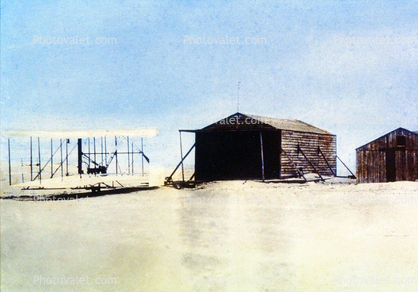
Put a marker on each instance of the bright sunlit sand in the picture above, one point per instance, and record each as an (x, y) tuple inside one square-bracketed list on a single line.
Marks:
[(222, 236)]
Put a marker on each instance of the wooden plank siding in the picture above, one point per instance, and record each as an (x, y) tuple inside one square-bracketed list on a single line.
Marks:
[(218, 153), (374, 160), (373, 166), (308, 143)]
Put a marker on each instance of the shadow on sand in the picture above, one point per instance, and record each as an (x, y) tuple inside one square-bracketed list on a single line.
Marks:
[(78, 195)]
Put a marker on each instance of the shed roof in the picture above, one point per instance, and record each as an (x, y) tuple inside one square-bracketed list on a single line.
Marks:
[(290, 124), (396, 130), (239, 121)]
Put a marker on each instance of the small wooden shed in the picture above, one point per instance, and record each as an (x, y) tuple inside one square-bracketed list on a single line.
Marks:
[(255, 147), (392, 157)]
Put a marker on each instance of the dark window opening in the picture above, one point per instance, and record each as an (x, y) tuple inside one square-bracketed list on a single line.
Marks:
[(401, 141)]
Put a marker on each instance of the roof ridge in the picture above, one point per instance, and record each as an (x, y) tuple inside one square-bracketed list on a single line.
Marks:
[(313, 126), (275, 122), (380, 137), (264, 119)]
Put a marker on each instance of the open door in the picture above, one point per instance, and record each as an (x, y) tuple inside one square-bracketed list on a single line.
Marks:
[(391, 165)]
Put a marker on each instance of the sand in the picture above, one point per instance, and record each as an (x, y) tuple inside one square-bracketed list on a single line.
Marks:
[(223, 236)]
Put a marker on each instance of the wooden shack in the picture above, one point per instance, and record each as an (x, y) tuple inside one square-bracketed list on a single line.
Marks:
[(392, 157), (254, 147)]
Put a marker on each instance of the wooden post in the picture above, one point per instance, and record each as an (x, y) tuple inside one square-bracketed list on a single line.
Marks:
[(311, 164), (181, 155), (105, 147), (62, 166), (116, 160), (66, 156), (129, 163), (52, 159), (88, 140), (80, 157), (142, 150), (300, 173), (329, 166), (132, 147), (178, 165), (31, 160), (101, 149), (116, 154), (39, 160), (262, 156), (94, 148), (346, 167), (10, 163)]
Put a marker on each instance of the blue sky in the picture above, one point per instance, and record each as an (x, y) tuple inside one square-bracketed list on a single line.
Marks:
[(347, 66)]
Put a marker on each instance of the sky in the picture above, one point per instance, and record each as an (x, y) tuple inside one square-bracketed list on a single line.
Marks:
[(347, 66)]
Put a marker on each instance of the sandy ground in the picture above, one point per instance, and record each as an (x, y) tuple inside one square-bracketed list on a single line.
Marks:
[(223, 236)]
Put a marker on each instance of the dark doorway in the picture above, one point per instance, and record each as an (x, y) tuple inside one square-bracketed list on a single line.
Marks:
[(391, 165), (236, 155), (271, 149)]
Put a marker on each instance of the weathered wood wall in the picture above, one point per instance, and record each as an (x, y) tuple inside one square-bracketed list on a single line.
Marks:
[(220, 158), (371, 166), (308, 143), (386, 159)]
